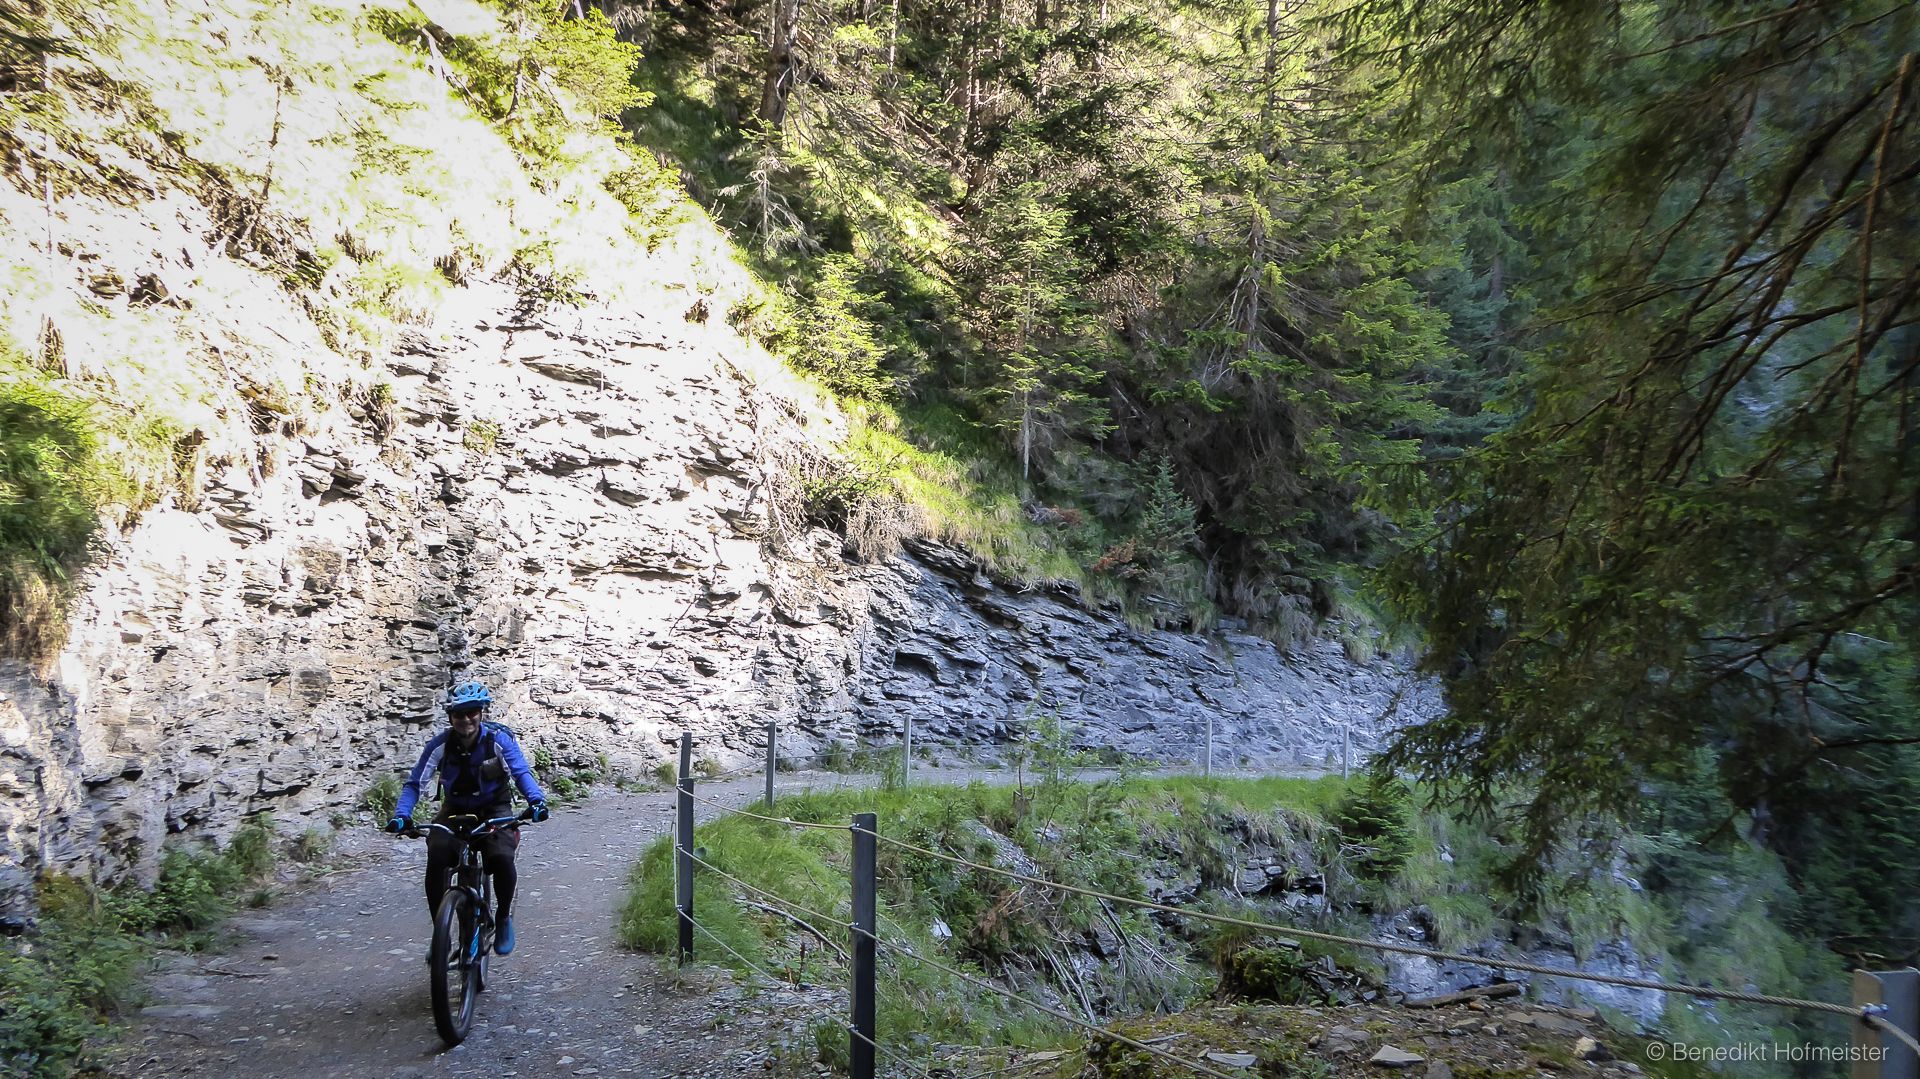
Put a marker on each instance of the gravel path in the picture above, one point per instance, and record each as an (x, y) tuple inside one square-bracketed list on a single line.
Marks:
[(330, 980)]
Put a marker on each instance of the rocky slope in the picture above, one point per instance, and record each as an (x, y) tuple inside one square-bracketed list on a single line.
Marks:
[(573, 508)]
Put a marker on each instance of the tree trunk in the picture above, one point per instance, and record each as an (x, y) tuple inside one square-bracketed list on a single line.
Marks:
[(1269, 141), (780, 63), (970, 79), (1905, 358), (893, 37), (1026, 435), (1273, 77)]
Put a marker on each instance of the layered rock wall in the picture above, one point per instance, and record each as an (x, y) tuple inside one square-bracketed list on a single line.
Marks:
[(574, 511)]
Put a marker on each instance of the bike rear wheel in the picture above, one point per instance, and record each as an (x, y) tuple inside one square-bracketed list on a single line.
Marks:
[(455, 974)]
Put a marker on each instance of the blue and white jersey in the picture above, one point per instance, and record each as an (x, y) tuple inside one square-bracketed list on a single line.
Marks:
[(471, 781)]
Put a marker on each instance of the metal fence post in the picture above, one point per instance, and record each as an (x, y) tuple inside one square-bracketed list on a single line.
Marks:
[(773, 760), (860, 1042), (906, 754), (1875, 1055), (683, 849), (1209, 766)]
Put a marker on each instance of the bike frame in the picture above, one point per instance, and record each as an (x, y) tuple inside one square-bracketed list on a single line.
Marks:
[(469, 878), (469, 874)]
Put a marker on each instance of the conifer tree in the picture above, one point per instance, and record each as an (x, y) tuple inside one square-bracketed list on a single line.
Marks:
[(1033, 322)]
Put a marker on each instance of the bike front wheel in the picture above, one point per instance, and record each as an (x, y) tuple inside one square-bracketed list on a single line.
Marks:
[(455, 969)]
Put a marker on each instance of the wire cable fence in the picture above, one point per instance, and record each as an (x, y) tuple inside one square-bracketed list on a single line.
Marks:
[(865, 940), (809, 1011), (1705, 992), (1065, 1017), (864, 756)]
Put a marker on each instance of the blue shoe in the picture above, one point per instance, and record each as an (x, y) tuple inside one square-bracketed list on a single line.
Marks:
[(503, 940)]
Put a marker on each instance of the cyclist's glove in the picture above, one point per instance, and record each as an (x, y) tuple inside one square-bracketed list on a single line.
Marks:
[(400, 824), (537, 812)]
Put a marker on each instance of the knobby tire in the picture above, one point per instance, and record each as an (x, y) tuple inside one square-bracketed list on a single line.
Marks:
[(455, 978)]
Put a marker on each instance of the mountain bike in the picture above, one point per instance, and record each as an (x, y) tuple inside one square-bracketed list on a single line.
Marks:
[(462, 926)]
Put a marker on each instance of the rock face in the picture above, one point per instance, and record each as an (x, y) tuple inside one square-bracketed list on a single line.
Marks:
[(574, 512), (1419, 976)]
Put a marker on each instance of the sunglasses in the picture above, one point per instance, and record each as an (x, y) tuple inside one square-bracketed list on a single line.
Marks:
[(462, 713)]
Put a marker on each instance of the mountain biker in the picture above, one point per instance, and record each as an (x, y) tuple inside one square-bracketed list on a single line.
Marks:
[(473, 759)]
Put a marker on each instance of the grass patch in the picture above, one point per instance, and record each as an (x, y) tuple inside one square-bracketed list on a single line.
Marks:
[(1092, 834), (1391, 856), (66, 462), (1090, 529), (938, 461)]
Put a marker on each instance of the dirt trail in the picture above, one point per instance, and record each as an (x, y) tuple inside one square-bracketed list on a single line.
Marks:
[(330, 980)]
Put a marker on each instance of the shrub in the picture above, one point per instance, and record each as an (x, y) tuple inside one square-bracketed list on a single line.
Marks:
[(834, 491), (481, 436), (648, 191), (82, 964), (1268, 972), (381, 798), (585, 58), (251, 851), (1377, 817), (311, 846), (836, 336), (564, 782), (59, 983), (196, 889), (193, 893), (539, 283)]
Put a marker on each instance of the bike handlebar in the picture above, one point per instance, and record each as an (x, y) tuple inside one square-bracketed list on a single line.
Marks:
[(419, 831)]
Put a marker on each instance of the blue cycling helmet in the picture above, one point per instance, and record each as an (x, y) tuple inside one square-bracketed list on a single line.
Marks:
[(468, 695)]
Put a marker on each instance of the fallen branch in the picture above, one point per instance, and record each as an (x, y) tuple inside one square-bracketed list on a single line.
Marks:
[(821, 937), (1070, 979), (1485, 992)]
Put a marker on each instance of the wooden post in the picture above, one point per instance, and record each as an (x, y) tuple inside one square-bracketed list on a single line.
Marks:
[(773, 761), (1875, 1055), (683, 849), (866, 923)]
